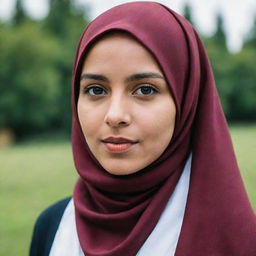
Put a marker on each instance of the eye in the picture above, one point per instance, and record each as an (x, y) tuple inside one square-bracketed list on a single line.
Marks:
[(146, 90), (95, 91)]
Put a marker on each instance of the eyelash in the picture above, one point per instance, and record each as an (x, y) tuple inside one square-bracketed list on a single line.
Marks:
[(89, 88)]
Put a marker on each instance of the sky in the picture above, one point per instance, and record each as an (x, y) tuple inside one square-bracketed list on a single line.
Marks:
[(238, 14)]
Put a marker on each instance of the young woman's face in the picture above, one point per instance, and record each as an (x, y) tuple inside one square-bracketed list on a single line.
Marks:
[(125, 109)]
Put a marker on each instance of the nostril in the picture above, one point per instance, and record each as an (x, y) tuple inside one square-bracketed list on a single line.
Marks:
[(117, 120), (116, 124)]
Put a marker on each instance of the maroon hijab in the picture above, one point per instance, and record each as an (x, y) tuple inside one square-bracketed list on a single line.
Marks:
[(116, 214)]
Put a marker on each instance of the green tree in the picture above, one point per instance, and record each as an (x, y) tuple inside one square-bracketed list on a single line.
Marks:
[(242, 76), (20, 15), (220, 59), (219, 38), (235, 76), (58, 17), (29, 86), (187, 13), (65, 21), (250, 40)]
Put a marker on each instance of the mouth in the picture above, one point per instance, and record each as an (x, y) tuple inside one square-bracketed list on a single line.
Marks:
[(118, 144)]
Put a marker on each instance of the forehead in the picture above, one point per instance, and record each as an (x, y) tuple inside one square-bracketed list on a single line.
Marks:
[(120, 49)]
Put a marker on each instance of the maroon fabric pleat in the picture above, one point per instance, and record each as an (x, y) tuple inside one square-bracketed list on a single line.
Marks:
[(116, 214)]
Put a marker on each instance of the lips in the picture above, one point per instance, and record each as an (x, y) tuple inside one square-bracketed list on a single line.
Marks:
[(118, 140), (118, 144)]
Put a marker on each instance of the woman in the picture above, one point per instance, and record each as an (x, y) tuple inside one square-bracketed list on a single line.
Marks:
[(158, 174)]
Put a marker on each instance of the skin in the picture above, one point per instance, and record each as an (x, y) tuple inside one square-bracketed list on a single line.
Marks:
[(115, 101)]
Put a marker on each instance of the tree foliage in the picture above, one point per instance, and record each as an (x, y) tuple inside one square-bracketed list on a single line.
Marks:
[(66, 22), (36, 64), (187, 13), (250, 41), (219, 38), (234, 74), (29, 79), (20, 15)]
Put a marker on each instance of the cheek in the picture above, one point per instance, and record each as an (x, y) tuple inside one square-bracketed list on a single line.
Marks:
[(158, 121), (88, 118)]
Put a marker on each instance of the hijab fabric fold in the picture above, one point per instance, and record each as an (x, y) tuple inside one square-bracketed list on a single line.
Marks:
[(116, 214)]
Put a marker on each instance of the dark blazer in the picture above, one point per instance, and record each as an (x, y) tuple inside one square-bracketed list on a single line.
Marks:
[(46, 227)]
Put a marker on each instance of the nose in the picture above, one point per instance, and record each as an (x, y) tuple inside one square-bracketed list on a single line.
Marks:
[(117, 114)]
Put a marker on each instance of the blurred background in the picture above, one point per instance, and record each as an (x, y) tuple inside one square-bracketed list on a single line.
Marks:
[(37, 46)]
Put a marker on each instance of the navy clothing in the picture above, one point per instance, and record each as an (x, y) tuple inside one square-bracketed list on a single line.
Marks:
[(46, 227)]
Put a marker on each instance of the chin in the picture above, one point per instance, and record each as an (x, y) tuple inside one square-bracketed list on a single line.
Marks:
[(124, 170), (119, 171)]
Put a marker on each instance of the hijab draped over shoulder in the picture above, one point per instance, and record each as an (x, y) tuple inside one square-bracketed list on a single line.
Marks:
[(116, 214)]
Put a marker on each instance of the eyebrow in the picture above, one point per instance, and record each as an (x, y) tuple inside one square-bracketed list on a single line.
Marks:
[(131, 78), (94, 77), (143, 75)]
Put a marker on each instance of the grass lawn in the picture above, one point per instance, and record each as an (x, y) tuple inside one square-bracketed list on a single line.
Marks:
[(244, 139), (34, 175)]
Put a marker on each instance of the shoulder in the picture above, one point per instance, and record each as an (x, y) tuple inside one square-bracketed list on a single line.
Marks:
[(45, 228), (53, 212)]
